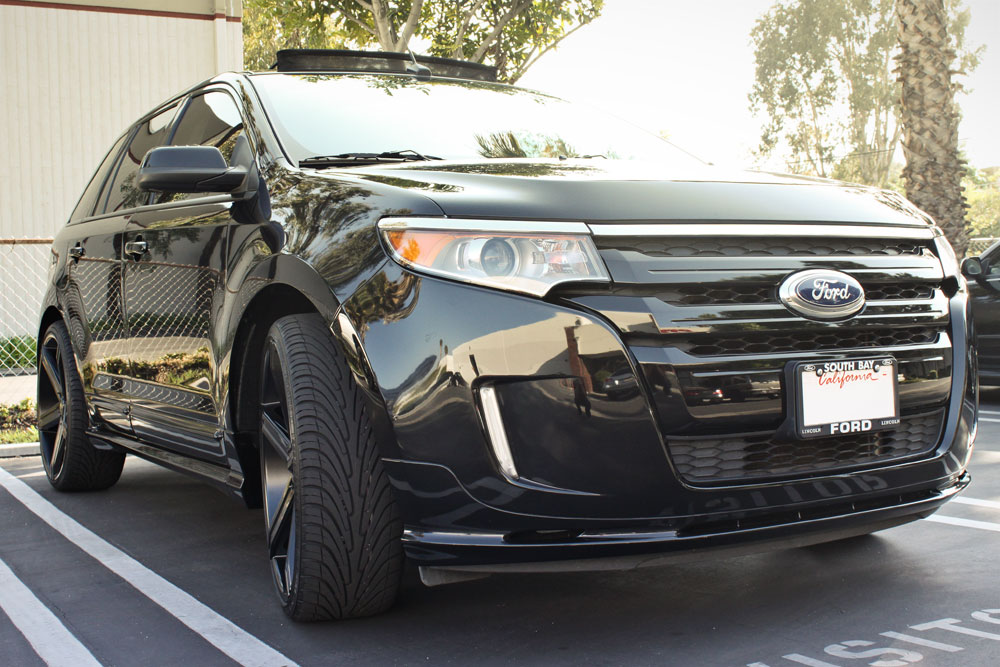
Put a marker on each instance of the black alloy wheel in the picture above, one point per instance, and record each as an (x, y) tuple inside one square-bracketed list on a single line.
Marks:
[(71, 461), (276, 473), (333, 530)]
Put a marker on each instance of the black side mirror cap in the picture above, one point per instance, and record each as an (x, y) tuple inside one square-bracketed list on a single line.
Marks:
[(188, 169), (972, 267)]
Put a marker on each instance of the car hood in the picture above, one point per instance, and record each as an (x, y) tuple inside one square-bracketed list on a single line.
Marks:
[(618, 191)]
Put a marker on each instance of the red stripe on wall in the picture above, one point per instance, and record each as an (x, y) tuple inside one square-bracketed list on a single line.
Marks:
[(120, 10)]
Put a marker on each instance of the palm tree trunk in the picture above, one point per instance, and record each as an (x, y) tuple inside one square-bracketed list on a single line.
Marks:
[(933, 172)]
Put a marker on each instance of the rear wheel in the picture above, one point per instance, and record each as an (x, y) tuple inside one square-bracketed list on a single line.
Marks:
[(71, 462), (333, 531)]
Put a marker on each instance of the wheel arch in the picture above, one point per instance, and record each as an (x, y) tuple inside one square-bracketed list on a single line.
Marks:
[(284, 285), (50, 315)]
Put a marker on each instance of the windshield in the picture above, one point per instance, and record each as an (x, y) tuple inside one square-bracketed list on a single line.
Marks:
[(328, 115)]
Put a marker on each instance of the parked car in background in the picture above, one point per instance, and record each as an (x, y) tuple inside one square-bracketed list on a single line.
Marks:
[(983, 274), (621, 384), (378, 298)]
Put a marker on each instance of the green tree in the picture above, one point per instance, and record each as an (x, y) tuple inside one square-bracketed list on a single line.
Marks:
[(508, 34), (824, 80), (271, 25), (982, 190)]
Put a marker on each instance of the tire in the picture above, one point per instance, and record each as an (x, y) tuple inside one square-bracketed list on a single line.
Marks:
[(333, 530), (71, 461)]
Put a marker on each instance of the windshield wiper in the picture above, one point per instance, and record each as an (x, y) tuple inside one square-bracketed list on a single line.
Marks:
[(348, 159)]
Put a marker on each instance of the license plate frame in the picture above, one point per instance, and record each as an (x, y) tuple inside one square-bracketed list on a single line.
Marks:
[(834, 398)]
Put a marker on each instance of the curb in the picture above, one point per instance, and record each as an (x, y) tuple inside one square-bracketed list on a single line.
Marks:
[(20, 449)]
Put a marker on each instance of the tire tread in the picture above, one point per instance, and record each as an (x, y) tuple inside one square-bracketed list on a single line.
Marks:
[(349, 550)]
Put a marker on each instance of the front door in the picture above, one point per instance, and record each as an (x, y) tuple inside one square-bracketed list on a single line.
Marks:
[(174, 272)]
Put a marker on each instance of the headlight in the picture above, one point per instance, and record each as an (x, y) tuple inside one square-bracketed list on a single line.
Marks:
[(527, 257), (949, 262)]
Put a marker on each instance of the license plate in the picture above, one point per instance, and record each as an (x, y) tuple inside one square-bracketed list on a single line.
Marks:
[(845, 397)]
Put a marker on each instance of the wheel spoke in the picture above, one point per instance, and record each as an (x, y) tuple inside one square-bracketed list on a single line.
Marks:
[(51, 366), (48, 419), (274, 384), (275, 435), (55, 461), (281, 523)]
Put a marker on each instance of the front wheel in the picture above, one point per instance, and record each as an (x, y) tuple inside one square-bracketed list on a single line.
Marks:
[(333, 531)]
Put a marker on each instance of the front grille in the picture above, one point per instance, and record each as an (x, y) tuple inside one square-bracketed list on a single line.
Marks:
[(756, 456), (694, 246), (724, 294), (776, 342)]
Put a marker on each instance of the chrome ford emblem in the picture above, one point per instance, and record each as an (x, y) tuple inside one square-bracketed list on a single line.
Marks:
[(822, 294)]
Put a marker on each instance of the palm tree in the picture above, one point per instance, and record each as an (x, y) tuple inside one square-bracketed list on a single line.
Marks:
[(933, 172)]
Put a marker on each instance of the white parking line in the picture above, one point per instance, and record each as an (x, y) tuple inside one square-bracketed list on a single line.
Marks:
[(219, 631), (967, 523), (987, 419), (40, 473), (989, 412), (53, 643), (962, 500)]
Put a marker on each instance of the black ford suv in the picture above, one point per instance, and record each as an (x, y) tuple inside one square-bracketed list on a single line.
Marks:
[(417, 315)]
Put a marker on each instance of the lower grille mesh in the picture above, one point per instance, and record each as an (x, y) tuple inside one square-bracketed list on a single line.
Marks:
[(752, 457)]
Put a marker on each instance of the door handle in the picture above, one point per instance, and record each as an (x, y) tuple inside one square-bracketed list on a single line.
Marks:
[(77, 251), (136, 248)]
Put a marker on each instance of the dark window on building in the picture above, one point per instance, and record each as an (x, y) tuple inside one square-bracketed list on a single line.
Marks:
[(85, 207), (212, 119), (124, 193)]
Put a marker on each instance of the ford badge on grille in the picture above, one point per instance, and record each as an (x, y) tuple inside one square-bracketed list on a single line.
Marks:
[(822, 294)]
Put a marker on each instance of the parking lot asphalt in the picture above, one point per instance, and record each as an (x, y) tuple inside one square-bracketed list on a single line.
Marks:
[(165, 570)]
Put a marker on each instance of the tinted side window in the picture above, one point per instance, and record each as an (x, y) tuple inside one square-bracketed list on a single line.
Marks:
[(212, 119), (123, 192), (85, 206)]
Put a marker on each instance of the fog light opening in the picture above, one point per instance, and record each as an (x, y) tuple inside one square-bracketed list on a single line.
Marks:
[(495, 431)]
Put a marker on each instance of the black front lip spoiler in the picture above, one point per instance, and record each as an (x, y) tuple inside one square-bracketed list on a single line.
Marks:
[(594, 551)]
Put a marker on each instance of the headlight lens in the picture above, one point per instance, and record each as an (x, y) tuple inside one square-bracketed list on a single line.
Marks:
[(523, 257), (949, 261)]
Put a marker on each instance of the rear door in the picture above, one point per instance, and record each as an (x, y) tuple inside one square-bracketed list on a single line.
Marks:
[(175, 252), (92, 297)]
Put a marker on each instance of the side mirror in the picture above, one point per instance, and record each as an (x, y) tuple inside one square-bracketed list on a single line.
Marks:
[(188, 169), (972, 268)]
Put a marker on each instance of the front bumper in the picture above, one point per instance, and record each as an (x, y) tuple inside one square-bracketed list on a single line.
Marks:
[(595, 475), (626, 550)]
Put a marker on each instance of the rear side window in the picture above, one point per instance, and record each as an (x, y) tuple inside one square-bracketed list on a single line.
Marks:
[(212, 119), (85, 207), (123, 192)]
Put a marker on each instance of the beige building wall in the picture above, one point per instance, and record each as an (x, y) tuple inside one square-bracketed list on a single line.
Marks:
[(74, 74)]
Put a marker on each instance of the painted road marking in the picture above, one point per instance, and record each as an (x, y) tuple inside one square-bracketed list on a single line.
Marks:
[(40, 473), (987, 419), (962, 500), (967, 523), (920, 641), (53, 643), (861, 649), (219, 631), (990, 412)]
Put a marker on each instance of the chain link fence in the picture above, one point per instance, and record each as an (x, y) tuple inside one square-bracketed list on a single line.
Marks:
[(978, 245), (24, 265)]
